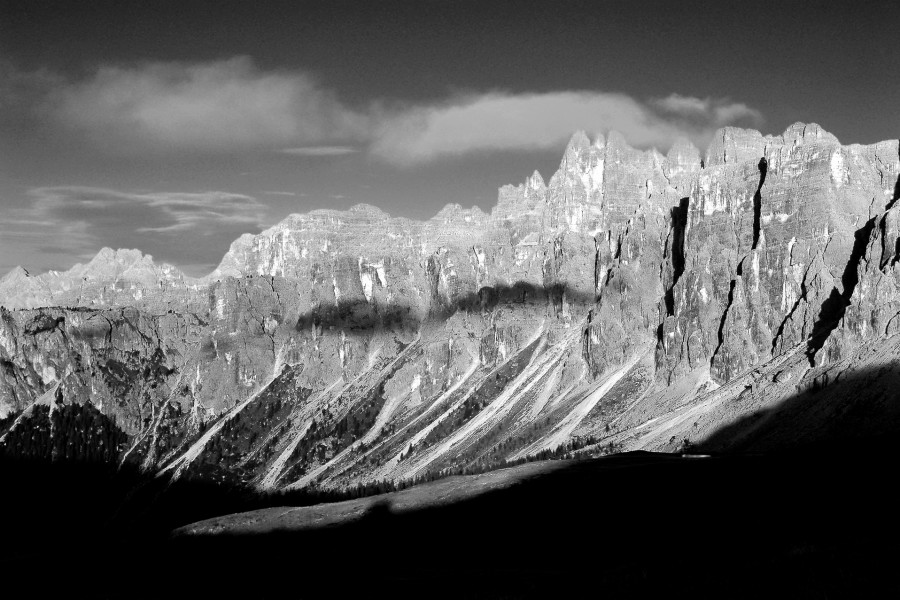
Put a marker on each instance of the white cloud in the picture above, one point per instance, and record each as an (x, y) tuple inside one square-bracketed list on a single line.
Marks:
[(232, 105), (217, 106), (714, 111), (500, 121), (679, 104)]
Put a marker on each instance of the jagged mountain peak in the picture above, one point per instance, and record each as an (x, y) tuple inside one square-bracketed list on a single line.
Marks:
[(580, 152), (456, 212), (576, 198), (578, 142), (536, 182), (368, 210), (734, 145), (799, 132), (112, 277), (16, 274), (125, 263), (121, 256)]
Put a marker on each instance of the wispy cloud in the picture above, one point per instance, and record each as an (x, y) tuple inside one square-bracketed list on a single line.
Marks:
[(142, 212), (708, 111), (277, 193), (320, 151), (188, 228)]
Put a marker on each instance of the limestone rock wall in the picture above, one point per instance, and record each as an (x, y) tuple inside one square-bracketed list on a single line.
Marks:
[(362, 346)]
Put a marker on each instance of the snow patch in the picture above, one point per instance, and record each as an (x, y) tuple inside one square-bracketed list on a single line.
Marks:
[(713, 199), (48, 374), (782, 217), (366, 280), (592, 179), (837, 168)]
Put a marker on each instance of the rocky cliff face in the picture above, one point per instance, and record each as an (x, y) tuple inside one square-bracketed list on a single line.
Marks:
[(599, 308)]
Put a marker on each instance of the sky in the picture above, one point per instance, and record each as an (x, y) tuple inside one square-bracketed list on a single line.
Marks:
[(174, 127)]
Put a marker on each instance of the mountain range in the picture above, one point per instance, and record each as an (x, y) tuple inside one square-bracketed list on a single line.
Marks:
[(635, 301)]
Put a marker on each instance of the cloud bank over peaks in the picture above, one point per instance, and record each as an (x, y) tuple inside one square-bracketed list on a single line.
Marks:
[(232, 105), (504, 121)]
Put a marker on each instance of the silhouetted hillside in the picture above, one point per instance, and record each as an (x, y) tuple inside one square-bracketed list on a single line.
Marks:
[(843, 410), (814, 520)]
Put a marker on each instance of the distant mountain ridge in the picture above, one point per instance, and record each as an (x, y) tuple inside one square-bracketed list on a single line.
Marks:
[(628, 302), (110, 278)]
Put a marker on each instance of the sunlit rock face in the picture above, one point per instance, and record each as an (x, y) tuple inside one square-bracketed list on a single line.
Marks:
[(619, 299), (111, 278), (119, 359), (768, 241)]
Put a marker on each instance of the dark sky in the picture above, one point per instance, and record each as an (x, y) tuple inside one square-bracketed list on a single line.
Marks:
[(175, 126)]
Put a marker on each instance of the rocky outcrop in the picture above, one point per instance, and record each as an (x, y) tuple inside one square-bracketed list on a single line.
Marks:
[(120, 360), (632, 288)]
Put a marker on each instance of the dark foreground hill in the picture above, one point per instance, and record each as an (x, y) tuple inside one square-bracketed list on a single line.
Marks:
[(819, 522)]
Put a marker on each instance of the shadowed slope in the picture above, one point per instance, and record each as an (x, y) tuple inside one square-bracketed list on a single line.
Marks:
[(640, 523), (838, 408)]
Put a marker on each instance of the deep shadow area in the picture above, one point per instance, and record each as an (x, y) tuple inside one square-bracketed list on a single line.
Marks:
[(800, 525), (835, 306), (358, 315), (678, 224), (885, 235), (763, 167), (815, 518), (60, 505), (844, 411), (97, 504)]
